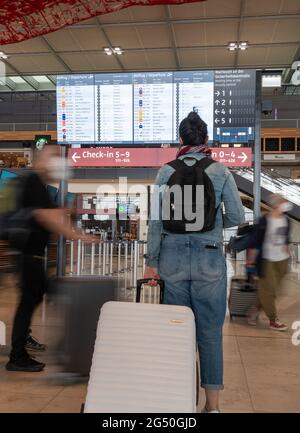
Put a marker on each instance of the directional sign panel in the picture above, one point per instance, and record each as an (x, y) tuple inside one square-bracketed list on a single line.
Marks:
[(131, 157), (234, 105), (233, 157)]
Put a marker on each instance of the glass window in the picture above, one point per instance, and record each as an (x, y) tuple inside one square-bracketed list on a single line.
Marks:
[(288, 144), (262, 144), (272, 144), (298, 144)]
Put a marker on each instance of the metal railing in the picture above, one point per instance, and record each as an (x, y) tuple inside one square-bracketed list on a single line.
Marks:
[(107, 258), (126, 258), (280, 123), (28, 126)]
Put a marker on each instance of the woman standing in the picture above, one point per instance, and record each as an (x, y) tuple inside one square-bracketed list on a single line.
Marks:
[(192, 263)]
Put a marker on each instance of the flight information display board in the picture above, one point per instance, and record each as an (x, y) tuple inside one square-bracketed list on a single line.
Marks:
[(146, 108), (113, 108), (194, 91), (153, 107)]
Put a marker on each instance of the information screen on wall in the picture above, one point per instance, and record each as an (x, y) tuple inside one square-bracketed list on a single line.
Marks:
[(146, 108)]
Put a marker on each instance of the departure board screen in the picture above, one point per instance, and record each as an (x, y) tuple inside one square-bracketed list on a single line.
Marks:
[(113, 108), (146, 108), (153, 103)]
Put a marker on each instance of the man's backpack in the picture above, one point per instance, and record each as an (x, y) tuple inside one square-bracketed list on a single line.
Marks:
[(191, 179), (8, 204), (14, 220)]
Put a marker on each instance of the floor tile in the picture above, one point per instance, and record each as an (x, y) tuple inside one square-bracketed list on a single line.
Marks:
[(64, 405), (78, 391), (278, 351), (231, 349), (235, 398), (275, 398), (18, 402), (261, 367)]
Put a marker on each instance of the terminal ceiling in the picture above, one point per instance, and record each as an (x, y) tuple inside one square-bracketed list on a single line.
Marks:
[(189, 36)]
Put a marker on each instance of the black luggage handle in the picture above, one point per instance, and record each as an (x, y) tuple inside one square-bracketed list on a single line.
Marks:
[(248, 288), (139, 284)]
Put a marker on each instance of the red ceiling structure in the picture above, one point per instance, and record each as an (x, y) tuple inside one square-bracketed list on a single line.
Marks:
[(25, 19)]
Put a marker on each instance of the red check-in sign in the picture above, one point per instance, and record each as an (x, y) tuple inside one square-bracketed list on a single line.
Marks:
[(233, 156), (135, 157)]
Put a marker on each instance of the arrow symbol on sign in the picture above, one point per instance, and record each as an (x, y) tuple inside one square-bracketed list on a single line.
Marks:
[(217, 112), (75, 157), (244, 157), (217, 121), (217, 102), (217, 93)]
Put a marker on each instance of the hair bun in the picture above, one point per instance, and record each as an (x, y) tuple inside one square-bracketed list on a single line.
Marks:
[(194, 118), (193, 130)]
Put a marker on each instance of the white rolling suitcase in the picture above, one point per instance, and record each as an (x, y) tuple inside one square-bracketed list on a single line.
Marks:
[(144, 360)]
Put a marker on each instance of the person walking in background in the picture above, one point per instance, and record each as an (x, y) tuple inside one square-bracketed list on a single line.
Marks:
[(271, 255), (42, 218), (191, 262)]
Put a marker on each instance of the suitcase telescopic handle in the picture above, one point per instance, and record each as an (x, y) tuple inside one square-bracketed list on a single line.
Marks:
[(140, 283)]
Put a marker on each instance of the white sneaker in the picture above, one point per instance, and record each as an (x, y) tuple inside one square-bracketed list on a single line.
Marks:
[(204, 410), (252, 318)]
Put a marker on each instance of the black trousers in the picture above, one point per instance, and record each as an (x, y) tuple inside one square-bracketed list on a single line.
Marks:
[(33, 287)]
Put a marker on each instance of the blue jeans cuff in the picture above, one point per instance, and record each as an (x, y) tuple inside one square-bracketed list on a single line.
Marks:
[(212, 387)]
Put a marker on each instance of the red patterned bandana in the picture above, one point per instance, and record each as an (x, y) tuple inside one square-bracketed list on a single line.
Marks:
[(193, 149)]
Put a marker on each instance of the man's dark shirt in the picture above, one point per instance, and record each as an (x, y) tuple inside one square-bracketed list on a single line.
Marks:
[(34, 195)]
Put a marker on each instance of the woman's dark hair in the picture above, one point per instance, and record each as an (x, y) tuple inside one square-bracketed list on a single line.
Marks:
[(193, 130)]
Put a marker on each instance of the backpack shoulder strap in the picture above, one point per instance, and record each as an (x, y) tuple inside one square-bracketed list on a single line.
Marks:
[(176, 163), (204, 163)]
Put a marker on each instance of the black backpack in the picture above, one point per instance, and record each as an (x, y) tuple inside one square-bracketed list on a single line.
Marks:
[(185, 175), (14, 219)]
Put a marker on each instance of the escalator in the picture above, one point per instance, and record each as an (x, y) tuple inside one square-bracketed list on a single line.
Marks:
[(271, 182)]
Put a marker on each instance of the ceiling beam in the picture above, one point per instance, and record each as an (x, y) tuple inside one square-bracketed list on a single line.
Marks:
[(239, 31), (55, 54), (32, 82), (173, 36), (117, 56), (288, 73), (19, 73), (189, 21), (197, 68), (5, 81), (52, 78), (186, 48)]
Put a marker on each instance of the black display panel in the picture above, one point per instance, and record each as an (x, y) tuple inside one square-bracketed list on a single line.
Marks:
[(234, 106), (146, 108)]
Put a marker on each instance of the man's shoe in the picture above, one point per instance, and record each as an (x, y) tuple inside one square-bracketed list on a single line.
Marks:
[(25, 363), (33, 345), (277, 325)]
